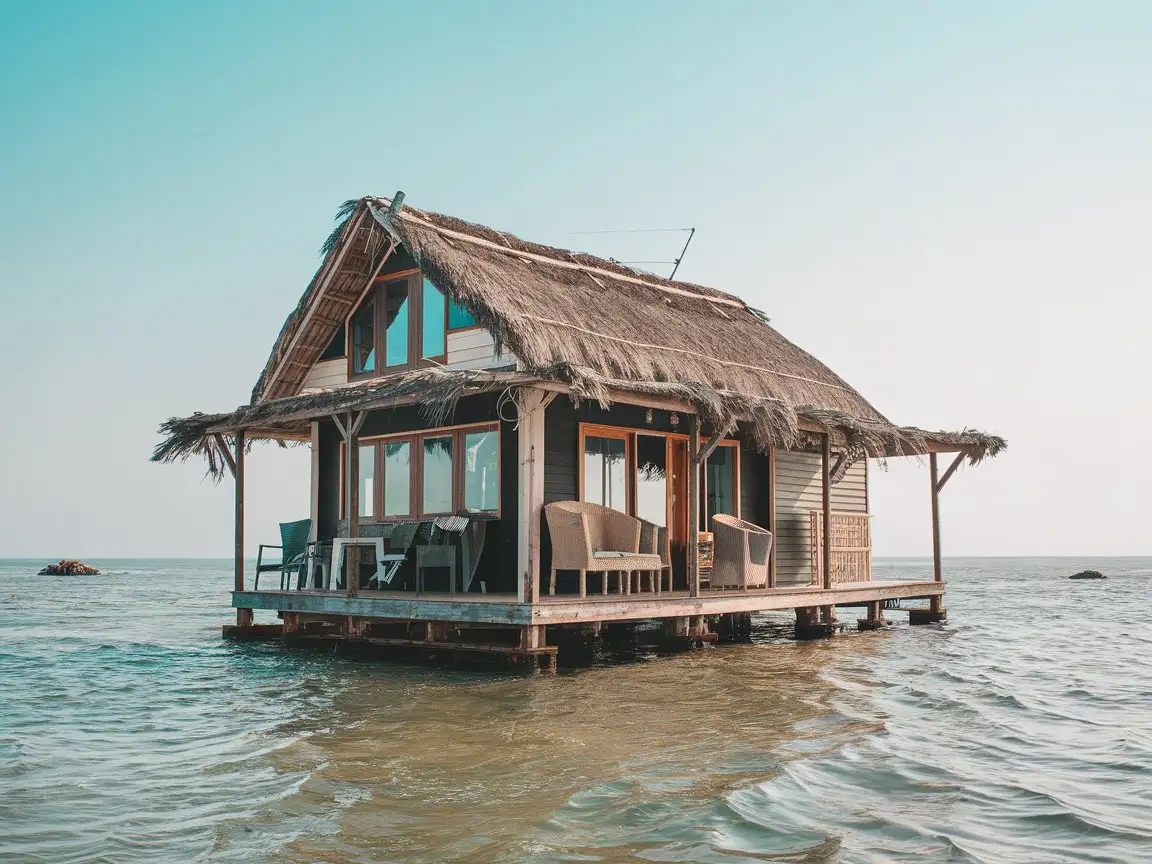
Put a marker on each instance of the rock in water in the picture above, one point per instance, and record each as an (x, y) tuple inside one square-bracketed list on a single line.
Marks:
[(1088, 574), (69, 568)]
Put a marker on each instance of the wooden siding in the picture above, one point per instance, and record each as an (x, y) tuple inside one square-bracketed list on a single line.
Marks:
[(327, 373), (474, 349), (797, 494)]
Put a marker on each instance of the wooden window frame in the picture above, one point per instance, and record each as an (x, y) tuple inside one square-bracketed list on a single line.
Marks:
[(377, 292), (415, 440), (618, 432), (628, 433)]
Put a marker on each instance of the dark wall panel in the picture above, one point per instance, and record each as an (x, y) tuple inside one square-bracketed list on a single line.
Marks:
[(498, 562)]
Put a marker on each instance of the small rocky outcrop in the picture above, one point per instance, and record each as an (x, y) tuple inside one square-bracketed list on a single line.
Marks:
[(69, 568), (1088, 574)]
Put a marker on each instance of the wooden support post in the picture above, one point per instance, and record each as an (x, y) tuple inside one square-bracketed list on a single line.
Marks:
[(694, 508), (530, 450), (937, 564), (772, 516), (826, 492), (875, 619), (243, 616), (314, 496), (352, 506)]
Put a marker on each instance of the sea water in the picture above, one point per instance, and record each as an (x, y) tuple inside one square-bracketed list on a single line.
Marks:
[(1020, 731)]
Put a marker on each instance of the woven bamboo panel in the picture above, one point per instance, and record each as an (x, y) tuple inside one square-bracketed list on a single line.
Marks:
[(705, 548), (851, 547)]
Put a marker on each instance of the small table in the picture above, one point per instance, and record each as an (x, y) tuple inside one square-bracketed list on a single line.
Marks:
[(339, 544)]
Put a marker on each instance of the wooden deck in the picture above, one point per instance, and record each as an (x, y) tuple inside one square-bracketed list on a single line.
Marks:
[(570, 609)]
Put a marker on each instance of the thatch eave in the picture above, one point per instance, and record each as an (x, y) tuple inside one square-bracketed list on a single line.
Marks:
[(766, 422)]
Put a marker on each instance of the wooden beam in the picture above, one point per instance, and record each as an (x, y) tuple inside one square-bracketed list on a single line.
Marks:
[(826, 492), (772, 516), (358, 421), (694, 508), (331, 267), (223, 445), (937, 569), (340, 427), (951, 470), (716, 438)]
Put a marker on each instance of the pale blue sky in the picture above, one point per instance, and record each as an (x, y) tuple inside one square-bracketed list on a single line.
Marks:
[(948, 203)]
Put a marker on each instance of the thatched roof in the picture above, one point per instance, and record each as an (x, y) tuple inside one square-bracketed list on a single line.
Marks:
[(593, 327)]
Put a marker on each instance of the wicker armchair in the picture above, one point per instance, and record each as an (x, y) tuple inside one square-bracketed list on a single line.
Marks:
[(740, 553), (654, 541), (590, 538)]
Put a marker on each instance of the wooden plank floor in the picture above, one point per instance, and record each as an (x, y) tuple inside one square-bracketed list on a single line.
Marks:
[(569, 608)]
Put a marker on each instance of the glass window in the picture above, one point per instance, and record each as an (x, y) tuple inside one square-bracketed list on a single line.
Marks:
[(432, 322), (364, 339), (459, 317), (605, 469), (397, 479), (721, 482), (367, 490), (437, 474), (396, 323), (482, 471), (652, 479)]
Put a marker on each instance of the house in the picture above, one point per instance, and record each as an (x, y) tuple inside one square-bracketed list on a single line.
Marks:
[(440, 369)]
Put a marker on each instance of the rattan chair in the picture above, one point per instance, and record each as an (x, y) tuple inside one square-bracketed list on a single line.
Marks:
[(590, 538), (740, 556)]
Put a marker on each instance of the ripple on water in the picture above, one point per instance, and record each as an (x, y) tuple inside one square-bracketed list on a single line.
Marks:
[(1018, 732)]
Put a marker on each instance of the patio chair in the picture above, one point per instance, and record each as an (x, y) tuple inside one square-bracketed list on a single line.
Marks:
[(654, 541), (293, 552), (399, 542), (588, 538), (740, 553)]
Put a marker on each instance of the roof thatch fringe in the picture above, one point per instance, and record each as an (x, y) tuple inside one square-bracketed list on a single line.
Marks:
[(767, 422)]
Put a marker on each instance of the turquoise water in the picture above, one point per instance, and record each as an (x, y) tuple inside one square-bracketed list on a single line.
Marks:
[(1021, 731)]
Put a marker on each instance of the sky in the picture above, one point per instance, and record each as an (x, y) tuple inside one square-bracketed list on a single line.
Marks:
[(949, 204)]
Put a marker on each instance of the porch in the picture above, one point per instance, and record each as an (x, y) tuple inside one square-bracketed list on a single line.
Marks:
[(506, 609)]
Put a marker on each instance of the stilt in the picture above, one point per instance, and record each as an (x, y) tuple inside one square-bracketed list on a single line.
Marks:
[(734, 627), (930, 615), (875, 619), (810, 626)]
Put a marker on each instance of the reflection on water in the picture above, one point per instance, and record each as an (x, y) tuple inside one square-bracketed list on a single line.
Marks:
[(1021, 731)]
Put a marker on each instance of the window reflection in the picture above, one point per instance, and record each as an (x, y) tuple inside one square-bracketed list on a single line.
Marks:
[(397, 479), (437, 491), (605, 468), (364, 340), (482, 471), (652, 479), (367, 491), (396, 323), (432, 322), (721, 482), (458, 316)]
